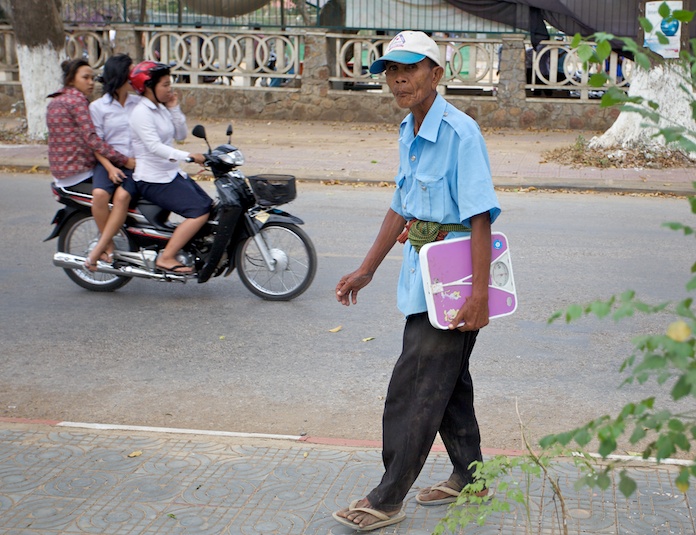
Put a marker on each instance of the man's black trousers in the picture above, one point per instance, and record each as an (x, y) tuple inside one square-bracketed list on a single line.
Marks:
[(430, 390)]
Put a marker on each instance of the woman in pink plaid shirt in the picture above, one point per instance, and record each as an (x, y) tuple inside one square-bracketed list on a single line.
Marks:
[(72, 139)]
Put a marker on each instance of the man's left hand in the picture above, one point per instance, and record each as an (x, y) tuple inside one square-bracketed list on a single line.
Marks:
[(474, 314)]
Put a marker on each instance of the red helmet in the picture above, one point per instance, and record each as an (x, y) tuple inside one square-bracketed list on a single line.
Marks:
[(146, 74)]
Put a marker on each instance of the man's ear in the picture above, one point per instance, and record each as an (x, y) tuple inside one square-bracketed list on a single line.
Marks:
[(437, 72)]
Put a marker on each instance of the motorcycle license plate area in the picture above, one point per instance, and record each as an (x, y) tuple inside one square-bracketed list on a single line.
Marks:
[(447, 278)]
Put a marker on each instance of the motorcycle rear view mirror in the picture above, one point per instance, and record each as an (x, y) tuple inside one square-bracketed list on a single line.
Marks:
[(229, 133), (199, 131)]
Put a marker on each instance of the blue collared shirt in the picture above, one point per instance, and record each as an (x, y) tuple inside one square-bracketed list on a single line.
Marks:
[(444, 176)]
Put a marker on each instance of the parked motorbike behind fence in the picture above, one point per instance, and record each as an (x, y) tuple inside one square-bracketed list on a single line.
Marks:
[(275, 259)]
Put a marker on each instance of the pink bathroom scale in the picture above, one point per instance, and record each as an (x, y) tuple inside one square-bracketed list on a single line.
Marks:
[(447, 278)]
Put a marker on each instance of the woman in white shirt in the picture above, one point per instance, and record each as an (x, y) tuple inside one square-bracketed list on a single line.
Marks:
[(155, 123), (110, 116)]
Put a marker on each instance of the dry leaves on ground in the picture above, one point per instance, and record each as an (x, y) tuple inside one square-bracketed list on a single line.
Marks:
[(580, 155)]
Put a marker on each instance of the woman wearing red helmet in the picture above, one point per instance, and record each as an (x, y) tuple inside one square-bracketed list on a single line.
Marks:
[(155, 123)]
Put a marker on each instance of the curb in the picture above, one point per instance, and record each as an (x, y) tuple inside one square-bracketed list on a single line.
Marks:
[(322, 441), (500, 183)]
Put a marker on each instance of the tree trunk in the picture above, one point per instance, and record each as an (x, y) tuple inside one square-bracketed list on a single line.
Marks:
[(663, 84), (38, 29)]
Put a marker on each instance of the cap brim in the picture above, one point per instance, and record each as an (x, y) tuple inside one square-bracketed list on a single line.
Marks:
[(397, 56)]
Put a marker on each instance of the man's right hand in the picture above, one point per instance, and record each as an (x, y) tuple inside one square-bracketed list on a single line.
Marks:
[(348, 287)]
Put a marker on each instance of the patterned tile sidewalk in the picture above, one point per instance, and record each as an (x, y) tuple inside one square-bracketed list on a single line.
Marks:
[(59, 480)]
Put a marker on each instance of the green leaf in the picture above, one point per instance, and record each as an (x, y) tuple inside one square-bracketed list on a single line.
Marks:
[(683, 15), (665, 447), (548, 441), (603, 481), (672, 133), (664, 10), (603, 50), (583, 438), (598, 79), (681, 388), (676, 425), (682, 480), (642, 60), (637, 435), (600, 309), (691, 285), (645, 24), (585, 53), (662, 38), (607, 447), (573, 312), (627, 486)]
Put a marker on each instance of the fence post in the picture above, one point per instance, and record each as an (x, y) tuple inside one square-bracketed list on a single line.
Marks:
[(315, 68), (127, 41), (511, 85)]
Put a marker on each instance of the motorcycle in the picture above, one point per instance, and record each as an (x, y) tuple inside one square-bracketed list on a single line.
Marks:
[(275, 259)]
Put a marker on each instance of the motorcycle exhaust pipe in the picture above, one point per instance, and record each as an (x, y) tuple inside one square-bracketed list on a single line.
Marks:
[(69, 261)]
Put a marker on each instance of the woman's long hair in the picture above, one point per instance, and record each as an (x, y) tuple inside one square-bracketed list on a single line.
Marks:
[(115, 73)]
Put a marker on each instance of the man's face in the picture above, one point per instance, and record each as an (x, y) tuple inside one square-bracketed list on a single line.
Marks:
[(413, 85)]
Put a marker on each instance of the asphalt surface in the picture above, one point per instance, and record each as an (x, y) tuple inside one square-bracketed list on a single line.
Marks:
[(63, 477)]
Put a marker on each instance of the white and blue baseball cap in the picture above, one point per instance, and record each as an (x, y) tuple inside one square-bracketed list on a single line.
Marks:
[(408, 47)]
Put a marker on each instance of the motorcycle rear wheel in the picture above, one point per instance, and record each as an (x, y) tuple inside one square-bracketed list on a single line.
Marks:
[(78, 237), (295, 262)]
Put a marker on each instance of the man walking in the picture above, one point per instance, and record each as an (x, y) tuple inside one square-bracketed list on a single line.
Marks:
[(443, 190)]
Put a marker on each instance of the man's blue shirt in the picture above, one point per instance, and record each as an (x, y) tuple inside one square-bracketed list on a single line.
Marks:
[(444, 176)]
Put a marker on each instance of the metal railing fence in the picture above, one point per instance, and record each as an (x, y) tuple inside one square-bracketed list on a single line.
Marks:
[(274, 59)]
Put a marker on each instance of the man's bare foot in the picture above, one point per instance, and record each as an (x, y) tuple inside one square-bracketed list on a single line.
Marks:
[(363, 517)]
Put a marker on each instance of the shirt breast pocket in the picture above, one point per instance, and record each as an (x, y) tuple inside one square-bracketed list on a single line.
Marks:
[(429, 197)]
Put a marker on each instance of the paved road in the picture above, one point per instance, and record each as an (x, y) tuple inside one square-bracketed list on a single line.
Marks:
[(214, 356)]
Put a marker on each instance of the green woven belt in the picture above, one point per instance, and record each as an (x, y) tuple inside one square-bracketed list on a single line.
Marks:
[(422, 232)]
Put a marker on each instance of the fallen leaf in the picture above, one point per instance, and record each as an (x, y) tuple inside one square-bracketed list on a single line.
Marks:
[(222, 338), (368, 338), (336, 329), (135, 454), (306, 455)]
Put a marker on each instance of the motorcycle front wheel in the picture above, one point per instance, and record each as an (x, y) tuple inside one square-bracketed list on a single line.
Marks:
[(294, 259), (78, 237)]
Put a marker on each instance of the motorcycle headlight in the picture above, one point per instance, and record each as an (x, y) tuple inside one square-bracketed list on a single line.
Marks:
[(233, 158)]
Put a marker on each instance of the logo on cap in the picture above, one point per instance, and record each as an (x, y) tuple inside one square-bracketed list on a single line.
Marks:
[(397, 42)]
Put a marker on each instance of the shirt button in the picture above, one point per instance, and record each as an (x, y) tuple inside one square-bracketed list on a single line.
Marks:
[(445, 114), (413, 158), (413, 270), (423, 188)]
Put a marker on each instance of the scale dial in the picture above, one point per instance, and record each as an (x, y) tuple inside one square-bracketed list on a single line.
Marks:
[(500, 273)]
